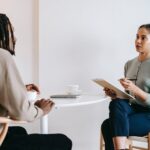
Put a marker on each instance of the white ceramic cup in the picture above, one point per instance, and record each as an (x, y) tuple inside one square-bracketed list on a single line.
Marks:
[(31, 95), (73, 89)]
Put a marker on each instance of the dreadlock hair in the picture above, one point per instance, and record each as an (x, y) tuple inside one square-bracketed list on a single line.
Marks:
[(146, 26), (7, 40)]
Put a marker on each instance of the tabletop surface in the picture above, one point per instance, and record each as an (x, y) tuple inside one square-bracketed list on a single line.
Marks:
[(80, 100)]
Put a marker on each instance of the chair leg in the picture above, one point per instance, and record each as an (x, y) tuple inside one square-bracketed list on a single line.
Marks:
[(130, 144), (149, 141), (130, 147)]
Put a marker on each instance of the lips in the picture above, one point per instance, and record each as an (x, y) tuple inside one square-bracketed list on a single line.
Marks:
[(138, 46)]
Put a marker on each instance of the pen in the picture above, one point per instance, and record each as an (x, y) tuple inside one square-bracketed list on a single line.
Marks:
[(131, 79)]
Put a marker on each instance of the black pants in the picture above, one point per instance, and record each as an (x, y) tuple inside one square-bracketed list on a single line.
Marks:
[(18, 139), (124, 120)]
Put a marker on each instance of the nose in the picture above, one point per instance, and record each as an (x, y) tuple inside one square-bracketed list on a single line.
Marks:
[(138, 40)]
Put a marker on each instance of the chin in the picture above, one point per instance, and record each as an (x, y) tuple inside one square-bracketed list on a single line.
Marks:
[(139, 50)]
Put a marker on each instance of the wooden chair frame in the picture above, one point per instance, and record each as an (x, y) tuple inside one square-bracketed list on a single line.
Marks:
[(145, 139), (4, 122)]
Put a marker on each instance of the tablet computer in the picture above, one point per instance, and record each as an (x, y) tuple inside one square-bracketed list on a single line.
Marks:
[(63, 96), (119, 92)]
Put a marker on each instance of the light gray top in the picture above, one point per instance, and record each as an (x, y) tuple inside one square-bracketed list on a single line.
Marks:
[(13, 94), (140, 71)]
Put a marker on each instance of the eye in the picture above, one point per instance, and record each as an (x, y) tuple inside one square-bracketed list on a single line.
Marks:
[(143, 38)]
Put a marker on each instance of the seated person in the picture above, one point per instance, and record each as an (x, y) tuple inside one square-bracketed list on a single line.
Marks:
[(131, 117), (14, 102)]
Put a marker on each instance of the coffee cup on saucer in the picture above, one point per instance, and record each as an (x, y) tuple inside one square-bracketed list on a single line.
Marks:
[(73, 89)]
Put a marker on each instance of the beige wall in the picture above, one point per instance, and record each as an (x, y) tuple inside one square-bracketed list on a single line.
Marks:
[(22, 16)]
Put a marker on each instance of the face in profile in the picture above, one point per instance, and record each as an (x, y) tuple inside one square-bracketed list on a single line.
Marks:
[(142, 42)]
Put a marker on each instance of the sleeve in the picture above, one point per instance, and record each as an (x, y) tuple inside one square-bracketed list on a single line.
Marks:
[(147, 90), (125, 69), (147, 101), (14, 94)]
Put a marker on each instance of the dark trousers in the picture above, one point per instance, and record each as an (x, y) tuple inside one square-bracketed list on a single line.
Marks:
[(18, 139), (125, 119)]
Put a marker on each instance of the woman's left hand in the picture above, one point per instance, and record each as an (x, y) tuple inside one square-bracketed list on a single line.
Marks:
[(110, 92), (31, 87)]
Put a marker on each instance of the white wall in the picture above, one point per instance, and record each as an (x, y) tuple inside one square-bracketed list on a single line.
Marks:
[(84, 39), (80, 40)]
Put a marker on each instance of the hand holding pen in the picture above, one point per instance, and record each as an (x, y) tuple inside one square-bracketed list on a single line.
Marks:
[(135, 90), (128, 84)]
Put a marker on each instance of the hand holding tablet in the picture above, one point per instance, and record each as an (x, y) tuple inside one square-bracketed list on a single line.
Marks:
[(119, 93)]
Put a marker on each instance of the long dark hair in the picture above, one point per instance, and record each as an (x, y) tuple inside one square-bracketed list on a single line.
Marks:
[(7, 40)]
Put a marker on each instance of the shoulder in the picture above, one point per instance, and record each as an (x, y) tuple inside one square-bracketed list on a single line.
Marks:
[(5, 56), (129, 62), (4, 53)]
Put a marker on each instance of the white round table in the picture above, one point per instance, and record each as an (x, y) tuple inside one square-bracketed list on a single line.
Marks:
[(71, 102)]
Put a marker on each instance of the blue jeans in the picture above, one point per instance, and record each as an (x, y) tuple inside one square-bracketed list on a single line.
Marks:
[(124, 120)]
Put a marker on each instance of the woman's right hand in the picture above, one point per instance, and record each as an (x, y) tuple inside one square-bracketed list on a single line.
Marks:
[(110, 93), (45, 104)]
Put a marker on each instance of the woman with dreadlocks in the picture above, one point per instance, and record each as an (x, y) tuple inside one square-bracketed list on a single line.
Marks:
[(14, 102)]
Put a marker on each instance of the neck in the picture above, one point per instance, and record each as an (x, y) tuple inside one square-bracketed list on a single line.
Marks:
[(143, 56)]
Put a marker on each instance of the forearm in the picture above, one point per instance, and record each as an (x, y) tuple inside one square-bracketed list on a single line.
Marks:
[(140, 94), (134, 89)]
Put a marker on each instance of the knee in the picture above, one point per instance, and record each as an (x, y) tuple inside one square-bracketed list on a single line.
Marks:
[(118, 104), (105, 127), (17, 130), (67, 143)]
